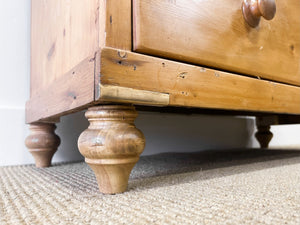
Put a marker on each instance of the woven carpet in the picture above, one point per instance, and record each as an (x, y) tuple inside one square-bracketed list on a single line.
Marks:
[(227, 187)]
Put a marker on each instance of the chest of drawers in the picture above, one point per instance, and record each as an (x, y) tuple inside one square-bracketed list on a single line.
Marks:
[(107, 56)]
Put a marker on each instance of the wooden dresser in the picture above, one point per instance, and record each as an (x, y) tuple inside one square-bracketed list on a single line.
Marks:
[(110, 56)]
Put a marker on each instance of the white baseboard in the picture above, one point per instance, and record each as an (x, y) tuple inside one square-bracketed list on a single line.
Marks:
[(12, 135)]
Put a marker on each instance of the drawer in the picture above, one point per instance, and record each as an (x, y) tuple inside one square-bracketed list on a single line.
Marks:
[(215, 34)]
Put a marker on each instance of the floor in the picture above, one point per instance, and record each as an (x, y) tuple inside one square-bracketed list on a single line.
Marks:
[(241, 186)]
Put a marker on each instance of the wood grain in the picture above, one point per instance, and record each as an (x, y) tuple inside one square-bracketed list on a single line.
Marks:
[(69, 92), (63, 34), (42, 143), (216, 35), (194, 86), (115, 24), (111, 145)]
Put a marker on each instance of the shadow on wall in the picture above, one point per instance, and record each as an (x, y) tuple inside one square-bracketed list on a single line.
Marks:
[(166, 132), (69, 129), (189, 133)]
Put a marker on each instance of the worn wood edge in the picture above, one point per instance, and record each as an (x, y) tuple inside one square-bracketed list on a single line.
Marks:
[(115, 25), (130, 95), (97, 73), (102, 22), (70, 93), (135, 28), (195, 86)]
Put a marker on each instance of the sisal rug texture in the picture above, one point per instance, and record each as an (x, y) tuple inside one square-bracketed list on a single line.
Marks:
[(228, 187)]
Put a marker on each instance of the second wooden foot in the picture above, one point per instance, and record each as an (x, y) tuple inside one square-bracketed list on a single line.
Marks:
[(42, 143), (263, 136)]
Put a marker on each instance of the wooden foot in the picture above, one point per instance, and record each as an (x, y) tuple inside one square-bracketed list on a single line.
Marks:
[(42, 143), (111, 145), (263, 136)]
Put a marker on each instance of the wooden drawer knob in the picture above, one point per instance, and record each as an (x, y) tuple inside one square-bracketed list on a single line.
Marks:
[(254, 9)]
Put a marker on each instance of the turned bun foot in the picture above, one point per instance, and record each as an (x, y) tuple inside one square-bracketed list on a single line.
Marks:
[(263, 136), (111, 145), (42, 143)]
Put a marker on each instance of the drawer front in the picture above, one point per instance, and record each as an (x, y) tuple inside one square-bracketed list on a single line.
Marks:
[(215, 34)]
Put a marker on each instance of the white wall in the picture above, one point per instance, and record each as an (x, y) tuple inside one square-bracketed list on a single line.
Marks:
[(164, 132), (14, 82)]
